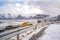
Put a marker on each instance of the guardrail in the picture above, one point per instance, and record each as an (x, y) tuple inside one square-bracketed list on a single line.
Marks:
[(15, 32)]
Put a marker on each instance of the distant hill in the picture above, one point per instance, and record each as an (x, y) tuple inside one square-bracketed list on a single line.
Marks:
[(20, 17), (41, 16)]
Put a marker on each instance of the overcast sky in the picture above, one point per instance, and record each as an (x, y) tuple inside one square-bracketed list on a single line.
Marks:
[(30, 7)]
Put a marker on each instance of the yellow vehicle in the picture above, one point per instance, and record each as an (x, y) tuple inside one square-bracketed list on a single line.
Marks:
[(25, 24)]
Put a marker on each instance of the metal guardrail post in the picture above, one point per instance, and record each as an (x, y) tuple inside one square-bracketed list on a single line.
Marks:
[(7, 39), (18, 38)]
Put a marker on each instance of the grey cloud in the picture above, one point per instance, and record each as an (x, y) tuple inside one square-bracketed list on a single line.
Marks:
[(51, 7)]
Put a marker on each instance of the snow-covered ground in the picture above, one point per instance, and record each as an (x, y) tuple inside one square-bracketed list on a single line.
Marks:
[(51, 33), (14, 22), (27, 37)]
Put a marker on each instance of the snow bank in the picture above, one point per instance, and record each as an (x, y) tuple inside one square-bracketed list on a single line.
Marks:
[(51, 33)]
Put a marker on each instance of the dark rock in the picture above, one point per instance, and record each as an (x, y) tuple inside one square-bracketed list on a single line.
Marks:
[(0, 22), (2, 30), (9, 27)]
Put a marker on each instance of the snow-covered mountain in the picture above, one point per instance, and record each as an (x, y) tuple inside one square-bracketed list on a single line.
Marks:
[(2, 16), (10, 16), (6, 16), (41, 16), (20, 17)]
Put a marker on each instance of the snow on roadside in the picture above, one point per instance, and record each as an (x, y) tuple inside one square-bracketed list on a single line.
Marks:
[(34, 32), (51, 33)]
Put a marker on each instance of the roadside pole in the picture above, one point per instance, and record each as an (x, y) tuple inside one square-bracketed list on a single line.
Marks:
[(18, 38)]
